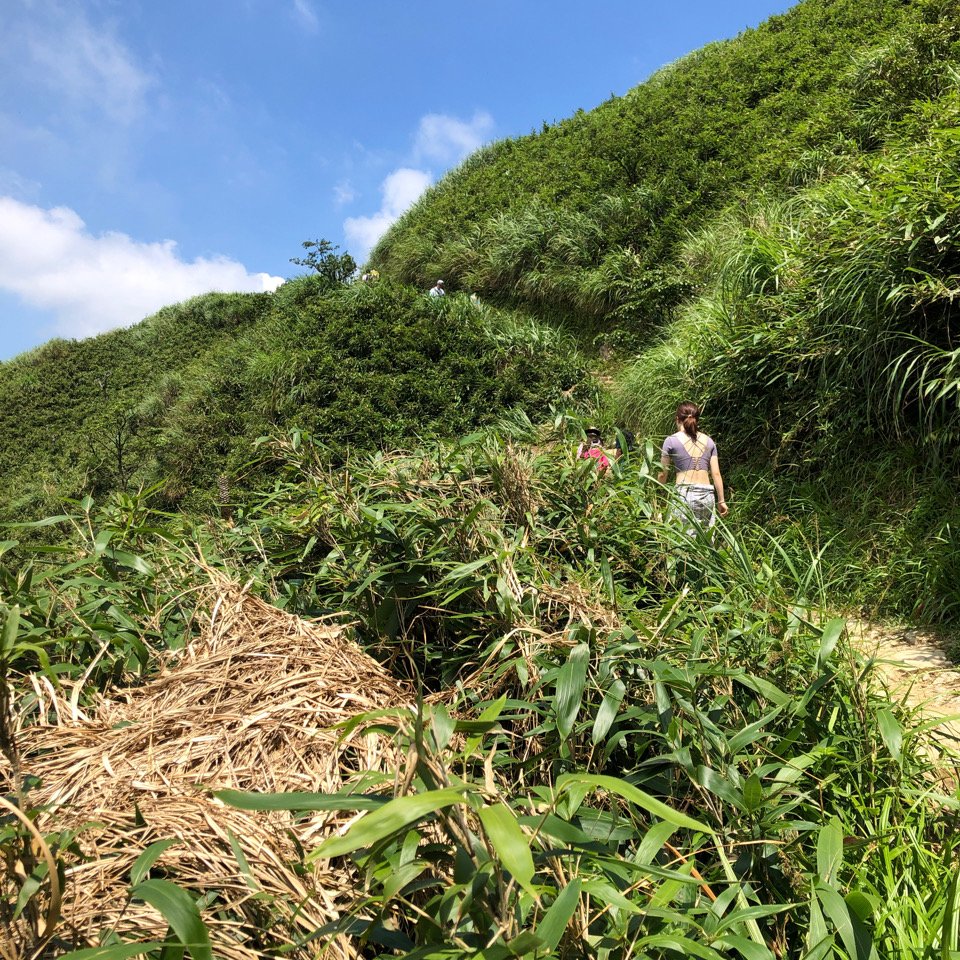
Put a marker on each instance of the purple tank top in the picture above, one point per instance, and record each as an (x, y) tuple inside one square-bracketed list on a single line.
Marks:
[(674, 449)]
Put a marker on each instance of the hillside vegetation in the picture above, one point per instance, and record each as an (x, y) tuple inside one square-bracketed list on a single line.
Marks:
[(178, 402), (611, 744), (780, 246), (605, 737), (68, 410), (584, 218)]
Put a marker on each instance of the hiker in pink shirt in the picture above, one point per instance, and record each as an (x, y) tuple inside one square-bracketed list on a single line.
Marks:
[(592, 449)]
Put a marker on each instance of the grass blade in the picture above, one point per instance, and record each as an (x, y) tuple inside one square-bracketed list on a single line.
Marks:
[(509, 841), (555, 920), (180, 911), (393, 816)]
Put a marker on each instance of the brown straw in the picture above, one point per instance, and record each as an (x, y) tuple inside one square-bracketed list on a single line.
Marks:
[(251, 705)]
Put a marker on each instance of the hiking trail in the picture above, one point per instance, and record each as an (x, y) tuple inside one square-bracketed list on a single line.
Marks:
[(916, 670)]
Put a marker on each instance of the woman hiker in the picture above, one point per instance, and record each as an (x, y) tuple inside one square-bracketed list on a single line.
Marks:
[(694, 457)]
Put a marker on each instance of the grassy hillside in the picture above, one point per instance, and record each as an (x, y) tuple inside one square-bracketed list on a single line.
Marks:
[(179, 401), (70, 411), (615, 740), (823, 341), (768, 227), (585, 216)]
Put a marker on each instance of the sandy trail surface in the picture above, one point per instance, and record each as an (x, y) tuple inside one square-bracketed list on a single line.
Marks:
[(916, 669)]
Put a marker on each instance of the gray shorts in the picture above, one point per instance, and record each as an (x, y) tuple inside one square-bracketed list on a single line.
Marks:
[(695, 506)]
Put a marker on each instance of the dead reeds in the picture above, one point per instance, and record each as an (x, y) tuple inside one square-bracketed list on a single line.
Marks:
[(251, 705)]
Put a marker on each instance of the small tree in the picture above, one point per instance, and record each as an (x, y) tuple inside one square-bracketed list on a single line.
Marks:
[(322, 257), (114, 430)]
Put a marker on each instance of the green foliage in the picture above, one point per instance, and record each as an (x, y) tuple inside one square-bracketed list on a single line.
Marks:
[(97, 606), (628, 741), (824, 343), (366, 367), (583, 219), (179, 401), (887, 531), (334, 268), (644, 741), (76, 416), (636, 738)]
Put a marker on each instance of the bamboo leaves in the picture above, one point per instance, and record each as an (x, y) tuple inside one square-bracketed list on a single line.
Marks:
[(141, 867), (607, 711), (586, 782), (508, 842), (187, 931), (554, 922), (599, 757), (388, 820), (830, 851), (570, 685), (181, 912), (828, 641)]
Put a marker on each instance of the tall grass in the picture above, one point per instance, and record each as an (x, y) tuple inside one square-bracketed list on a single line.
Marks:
[(823, 343), (636, 742), (629, 741)]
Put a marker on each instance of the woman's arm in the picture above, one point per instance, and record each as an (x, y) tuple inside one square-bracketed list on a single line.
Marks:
[(666, 461), (718, 486), (664, 467)]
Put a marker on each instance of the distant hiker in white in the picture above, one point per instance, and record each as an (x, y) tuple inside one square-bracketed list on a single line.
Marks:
[(437, 289)]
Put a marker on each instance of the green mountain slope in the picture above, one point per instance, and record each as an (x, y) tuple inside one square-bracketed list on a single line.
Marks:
[(767, 225), (179, 401), (585, 215), (70, 411), (619, 739)]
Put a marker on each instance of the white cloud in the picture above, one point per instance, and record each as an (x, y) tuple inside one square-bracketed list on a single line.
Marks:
[(343, 193), (306, 16), (84, 65), (399, 190), (94, 283), (439, 138), (448, 140)]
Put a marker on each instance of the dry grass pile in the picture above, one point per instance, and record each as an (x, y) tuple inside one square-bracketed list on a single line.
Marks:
[(250, 706)]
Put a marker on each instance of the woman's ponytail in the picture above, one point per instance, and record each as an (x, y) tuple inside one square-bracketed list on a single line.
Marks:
[(688, 417)]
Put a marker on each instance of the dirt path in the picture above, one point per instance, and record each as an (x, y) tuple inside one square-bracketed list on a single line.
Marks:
[(917, 670)]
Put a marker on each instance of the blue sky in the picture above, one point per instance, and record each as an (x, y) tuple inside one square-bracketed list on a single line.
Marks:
[(150, 151)]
